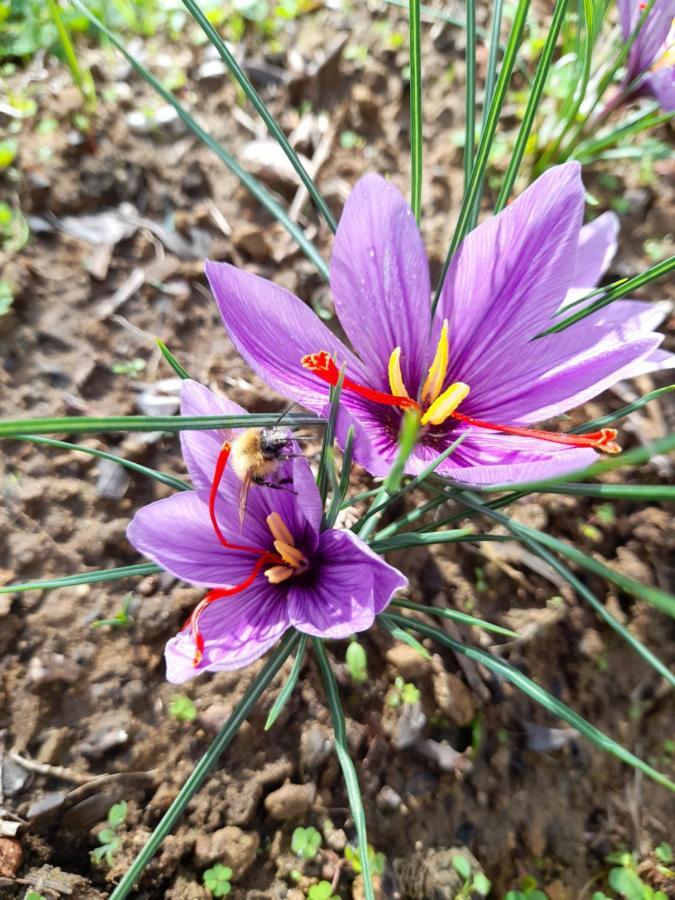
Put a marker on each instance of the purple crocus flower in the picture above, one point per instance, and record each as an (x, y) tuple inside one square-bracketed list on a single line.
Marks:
[(474, 361), (652, 56), (275, 571)]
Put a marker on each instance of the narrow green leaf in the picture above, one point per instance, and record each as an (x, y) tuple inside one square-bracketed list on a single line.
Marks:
[(259, 105), (596, 424), (487, 136), (417, 539), (587, 150), (84, 578), (338, 500), (637, 492), (346, 764), (289, 685), (327, 458), (612, 292), (470, 92), (415, 109), (400, 634), (455, 616), (534, 97), (171, 359), (206, 763), (97, 424), (169, 480), (540, 696), (252, 184), (81, 76)]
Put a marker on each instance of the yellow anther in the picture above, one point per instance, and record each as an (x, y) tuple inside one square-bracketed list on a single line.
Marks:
[(277, 574), (278, 528), (446, 404), (290, 554), (396, 385), (439, 367)]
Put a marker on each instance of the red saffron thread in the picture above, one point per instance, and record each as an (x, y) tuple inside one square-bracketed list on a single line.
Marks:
[(322, 365), (599, 440)]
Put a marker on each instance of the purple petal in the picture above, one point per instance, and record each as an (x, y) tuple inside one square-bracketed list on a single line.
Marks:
[(508, 278), (596, 250), (661, 82), (236, 630), (652, 35), (351, 587), (177, 534), (566, 371), (273, 330), (379, 277), (201, 448)]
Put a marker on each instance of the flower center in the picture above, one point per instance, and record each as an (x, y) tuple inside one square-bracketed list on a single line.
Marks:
[(437, 405), (292, 561)]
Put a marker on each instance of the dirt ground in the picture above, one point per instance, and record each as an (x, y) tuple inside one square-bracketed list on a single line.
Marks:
[(524, 795)]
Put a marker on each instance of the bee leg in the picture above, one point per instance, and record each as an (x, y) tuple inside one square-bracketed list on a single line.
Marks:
[(289, 456), (276, 485)]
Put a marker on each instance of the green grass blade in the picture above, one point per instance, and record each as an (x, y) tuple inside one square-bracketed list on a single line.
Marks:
[(338, 500), (262, 195), (586, 151), (658, 598), (84, 578), (327, 458), (415, 110), (346, 764), (205, 764), (603, 421), (98, 424), (540, 696), (416, 539), (259, 105), (659, 493), (490, 79), (289, 686), (612, 292), (470, 92), (81, 76), (487, 136), (400, 634), (169, 480), (532, 104), (455, 616), (171, 359)]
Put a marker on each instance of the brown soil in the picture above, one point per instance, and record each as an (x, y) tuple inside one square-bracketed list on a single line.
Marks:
[(95, 700)]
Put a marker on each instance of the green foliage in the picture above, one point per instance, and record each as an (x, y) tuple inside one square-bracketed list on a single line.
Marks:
[(664, 853), (14, 231), (33, 895), (357, 661), (8, 150), (377, 860), (473, 884), (306, 842), (625, 880), (6, 297), (182, 709), (120, 619), (403, 692), (109, 839), (528, 890), (132, 367), (217, 880), (322, 891)]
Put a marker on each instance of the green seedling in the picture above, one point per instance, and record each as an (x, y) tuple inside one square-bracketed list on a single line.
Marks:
[(473, 884), (120, 619), (8, 150), (132, 367), (664, 853), (109, 837), (403, 692), (322, 891), (33, 895), (6, 297), (306, 842), (357, 661), (625, 879), (182, 709), (217, 880), (529, 890), (377, 860), (14, 230)]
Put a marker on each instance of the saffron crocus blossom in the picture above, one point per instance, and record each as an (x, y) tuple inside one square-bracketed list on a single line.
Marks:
[(652, 57), (275, 571), (473, 370)]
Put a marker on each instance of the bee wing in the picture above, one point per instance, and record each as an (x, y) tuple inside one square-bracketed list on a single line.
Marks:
[(243, 497)]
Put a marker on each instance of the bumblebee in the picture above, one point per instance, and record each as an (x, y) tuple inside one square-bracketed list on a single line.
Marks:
[(256, 457)]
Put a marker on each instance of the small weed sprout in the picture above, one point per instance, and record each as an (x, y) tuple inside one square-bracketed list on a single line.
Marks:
[(403, 692), (306, 842), (33, 895), (377, 860), (121, 619), (109, 837), (321, 891), (625, 879), (529, 890), (473, 884), (664, 853), (182, 709), (217, 880), (357, 661)]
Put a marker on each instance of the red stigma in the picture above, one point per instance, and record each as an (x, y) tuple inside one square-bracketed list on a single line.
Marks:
[(603, 440), (323, 366)]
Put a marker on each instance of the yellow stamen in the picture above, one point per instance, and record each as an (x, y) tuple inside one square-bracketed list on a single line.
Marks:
[(290, 554), (277, 574), (439, 367), (395, 377), (446, 404), (278, 528)]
